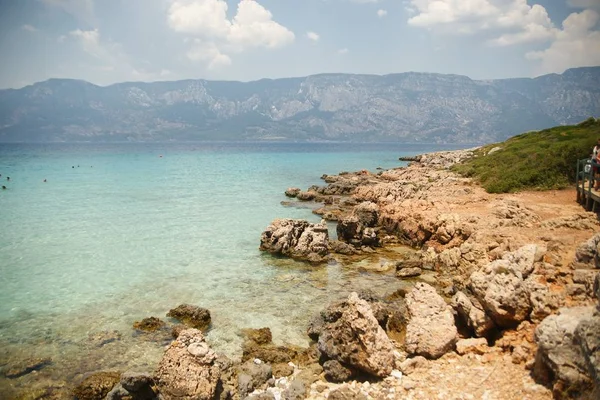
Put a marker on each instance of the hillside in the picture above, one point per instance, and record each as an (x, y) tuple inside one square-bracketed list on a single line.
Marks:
[(535, 160), (409, 107)]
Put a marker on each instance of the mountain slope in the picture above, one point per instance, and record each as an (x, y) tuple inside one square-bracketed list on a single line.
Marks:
[(401, 107)]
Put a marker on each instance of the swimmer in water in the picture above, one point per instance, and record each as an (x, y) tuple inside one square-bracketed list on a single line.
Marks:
[(3, 187), (44, 180)]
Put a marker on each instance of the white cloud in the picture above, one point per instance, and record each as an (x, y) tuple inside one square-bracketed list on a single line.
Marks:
[(514, 21), (381, 13), (576, 45), (343, 51), (29, 28), (313, 36), (215, 35)]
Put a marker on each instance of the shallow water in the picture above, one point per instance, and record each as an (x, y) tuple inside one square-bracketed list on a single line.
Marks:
[(120, 232)]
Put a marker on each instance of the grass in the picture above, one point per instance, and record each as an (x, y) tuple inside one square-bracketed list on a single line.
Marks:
[(540, 160)]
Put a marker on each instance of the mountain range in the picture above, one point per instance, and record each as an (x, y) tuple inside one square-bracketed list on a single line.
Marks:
[(405, 107)]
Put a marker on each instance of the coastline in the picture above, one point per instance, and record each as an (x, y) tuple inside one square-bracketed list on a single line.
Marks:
[(454, 228)]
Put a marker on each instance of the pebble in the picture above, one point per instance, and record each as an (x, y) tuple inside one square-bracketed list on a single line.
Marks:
[(257, 361), (396, 374)]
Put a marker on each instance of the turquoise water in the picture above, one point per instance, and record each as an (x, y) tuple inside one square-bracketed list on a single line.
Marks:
[(119, 233)]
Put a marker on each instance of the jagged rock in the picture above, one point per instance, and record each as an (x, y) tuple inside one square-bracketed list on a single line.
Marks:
[(367, 213), (346, 393), (282, 369), (587, 335), (450, 258), (356, 339), (252, 376), (501, 289), (473, 345), (430, 331), (581, 221), (543, 301), (559, 357), (133, 386), (512, 213), (413, 364), (96, 386), (337, 246), (472, 315), (258, 336), (449, 227), (409, 272), (25, 367), (336, 372), (192, 316), (586, 278), (597, 288), (150, 324), (305, 196), (292, 192), (586, 255), (296, 391), (188, 369), (297, 239)]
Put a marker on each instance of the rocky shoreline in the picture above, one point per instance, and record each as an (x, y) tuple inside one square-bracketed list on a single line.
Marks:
[(499, 300)]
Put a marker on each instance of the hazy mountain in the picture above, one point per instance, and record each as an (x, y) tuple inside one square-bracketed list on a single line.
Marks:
[(403, 107)]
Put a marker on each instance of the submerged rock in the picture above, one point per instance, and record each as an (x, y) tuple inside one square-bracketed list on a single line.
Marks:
[(298, 239), (356, 340), (430, 331), (25, 367), (192, 316), (96, 386), (151, 324), (188, 369), (292, 192)]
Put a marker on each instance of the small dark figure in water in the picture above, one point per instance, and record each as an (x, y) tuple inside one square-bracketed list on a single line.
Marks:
[(73, 166), (44, 180), (8, 178), (3, 187)]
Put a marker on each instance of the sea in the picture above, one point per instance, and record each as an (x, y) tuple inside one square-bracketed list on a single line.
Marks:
[(94, 237)]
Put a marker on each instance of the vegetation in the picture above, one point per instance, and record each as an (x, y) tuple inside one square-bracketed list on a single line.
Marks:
[(535, 160)]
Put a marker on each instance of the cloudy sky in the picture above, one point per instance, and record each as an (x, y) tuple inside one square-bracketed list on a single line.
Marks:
[(107, 41)]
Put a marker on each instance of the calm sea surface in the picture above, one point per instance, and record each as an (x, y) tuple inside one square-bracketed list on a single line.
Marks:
[(119, 233)]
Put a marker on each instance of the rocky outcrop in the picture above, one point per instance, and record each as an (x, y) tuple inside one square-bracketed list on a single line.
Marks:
[(560, 358), (133, 386), (470, 313), (506, 290), (354, 338), (151, 324), (24, 367), (253, 375), (587, 254), (430, 331), (298, 239), (96, 386), (292, 192), (191, 316), (188, 369)]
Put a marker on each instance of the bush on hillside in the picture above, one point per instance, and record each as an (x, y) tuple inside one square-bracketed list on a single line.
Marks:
[(535, 160)]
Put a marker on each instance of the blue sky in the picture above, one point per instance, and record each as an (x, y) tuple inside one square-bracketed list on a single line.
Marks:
[(108, 41)]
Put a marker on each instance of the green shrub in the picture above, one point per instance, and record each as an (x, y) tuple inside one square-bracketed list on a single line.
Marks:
[(535, 160)]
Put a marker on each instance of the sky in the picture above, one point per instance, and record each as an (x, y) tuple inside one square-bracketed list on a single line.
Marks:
[(109, 41)]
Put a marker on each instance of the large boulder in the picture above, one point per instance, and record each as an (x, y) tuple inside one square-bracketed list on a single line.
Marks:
[(471, 315), (354, 338), (430, 331), (587, 255), (96, 386), (192, 316), (559, 357), (501, 289), (587, 335), (188, 369), (296, 238)]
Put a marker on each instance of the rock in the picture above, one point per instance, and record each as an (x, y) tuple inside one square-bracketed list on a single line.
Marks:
[(587, 252), (104, 337), (345, 393), (96, 386), (297, 239), (430, 331), (136, 382), (292, 192), (186, 370), (282, 369), (177, 329), (269, 353), (367, 213), (192, 316), (150, 324), (296, 391), (472, 315), (352, 230), (258, 336), (25, 367), (513, 213), (336, 372), (305, 196), (355, 339), (474, 346), (409, 272), (337, 246), (586, 278), (587, 336), (597, 288), (411, 365), (559, 357), (501, 289), (252, 376)]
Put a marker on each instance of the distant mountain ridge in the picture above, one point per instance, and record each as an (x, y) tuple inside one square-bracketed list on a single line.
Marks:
[(408, 107)]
